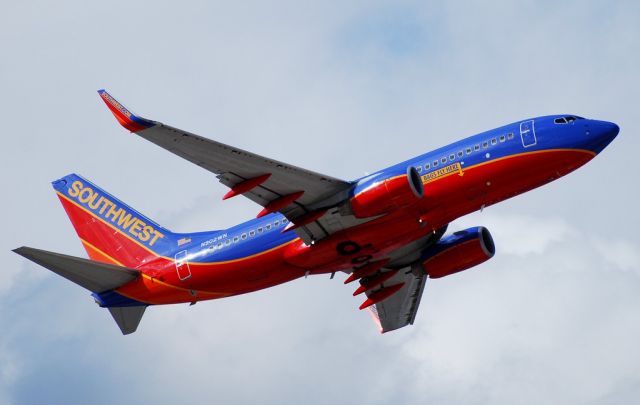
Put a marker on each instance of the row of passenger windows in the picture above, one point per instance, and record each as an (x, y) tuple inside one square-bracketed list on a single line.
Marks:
[(245, 235), (468, 151)]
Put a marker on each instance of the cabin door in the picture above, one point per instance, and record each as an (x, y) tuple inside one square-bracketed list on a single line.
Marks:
[(527, 133), (182, 265)]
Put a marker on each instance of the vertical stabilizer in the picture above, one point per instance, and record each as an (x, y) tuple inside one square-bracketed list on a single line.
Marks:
[(111, 231)]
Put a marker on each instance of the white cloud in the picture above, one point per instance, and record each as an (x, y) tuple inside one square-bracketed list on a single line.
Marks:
[(618, 253), (551, 319), (521, 234), (531, 320)]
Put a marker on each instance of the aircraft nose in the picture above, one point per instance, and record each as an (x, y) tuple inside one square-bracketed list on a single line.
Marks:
[(609, 130), (603, 133)]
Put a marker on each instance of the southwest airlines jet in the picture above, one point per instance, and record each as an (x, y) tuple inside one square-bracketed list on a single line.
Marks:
[(385, 231)]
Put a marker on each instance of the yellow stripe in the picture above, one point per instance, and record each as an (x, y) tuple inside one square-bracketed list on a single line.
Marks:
[(250, 256), (493, 161), (165, 257), (106, 223), (101, 252), (588, 152), (152, 279), (515, 156)]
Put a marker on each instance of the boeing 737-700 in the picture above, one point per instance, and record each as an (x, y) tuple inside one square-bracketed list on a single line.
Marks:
[(387, 231)]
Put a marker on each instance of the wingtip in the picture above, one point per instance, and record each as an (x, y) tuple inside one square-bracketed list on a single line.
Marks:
[(125, 117), (25, 251)]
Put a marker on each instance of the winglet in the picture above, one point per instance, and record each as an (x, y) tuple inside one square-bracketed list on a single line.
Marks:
[(125, 117)]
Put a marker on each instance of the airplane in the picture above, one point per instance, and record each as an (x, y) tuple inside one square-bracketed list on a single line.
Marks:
[(386, 231)]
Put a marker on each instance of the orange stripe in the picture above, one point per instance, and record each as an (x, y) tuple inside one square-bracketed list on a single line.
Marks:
[(588, 152), (512, 157), (153, 280), (497, 160), (102, 253), (165, 257)]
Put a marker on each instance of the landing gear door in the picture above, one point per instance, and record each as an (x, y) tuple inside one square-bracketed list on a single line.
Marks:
[(528, 133), (182, 265)]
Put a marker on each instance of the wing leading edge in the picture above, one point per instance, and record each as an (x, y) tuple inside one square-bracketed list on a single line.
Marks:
[(304, 196)]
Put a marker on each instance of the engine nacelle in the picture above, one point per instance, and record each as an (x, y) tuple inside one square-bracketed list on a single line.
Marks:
[(458, 252), (377, 196)]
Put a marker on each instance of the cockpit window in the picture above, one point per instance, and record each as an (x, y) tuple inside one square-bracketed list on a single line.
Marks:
[(567, 119)]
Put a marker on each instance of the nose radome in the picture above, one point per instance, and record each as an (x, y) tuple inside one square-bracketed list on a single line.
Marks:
[(603, 133), (611, 129), (607, 131)]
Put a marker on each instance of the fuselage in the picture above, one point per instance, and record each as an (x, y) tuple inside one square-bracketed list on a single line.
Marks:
[(458, 179)]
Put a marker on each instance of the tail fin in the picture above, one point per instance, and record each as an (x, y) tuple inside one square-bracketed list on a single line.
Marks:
[(110, 231)]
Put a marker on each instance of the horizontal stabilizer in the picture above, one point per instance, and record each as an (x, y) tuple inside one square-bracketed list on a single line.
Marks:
[(94, 276), (127, 318)]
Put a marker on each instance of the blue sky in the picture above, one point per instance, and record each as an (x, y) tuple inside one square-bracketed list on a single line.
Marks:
[(342, 88)]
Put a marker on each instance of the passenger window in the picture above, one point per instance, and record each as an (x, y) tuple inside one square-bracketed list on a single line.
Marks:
[(435, 163), (284, 221), (235, 239), (227, 242), (419, 169), (510, 135), (460, 154), (502, 138), (468, 151), (443, 160), (252, 233), (476, 147), (426, 166), (259, 229), (451, 157), (220, 245), (276, 223), (494, 141), (243, 236), (268, 226), (485, 144)]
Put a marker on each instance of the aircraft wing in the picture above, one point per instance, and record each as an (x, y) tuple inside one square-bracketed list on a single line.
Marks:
[(401, 308), (297, 193)]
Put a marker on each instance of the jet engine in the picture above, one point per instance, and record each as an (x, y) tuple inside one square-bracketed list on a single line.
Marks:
[(459, 251), (376, 196)]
